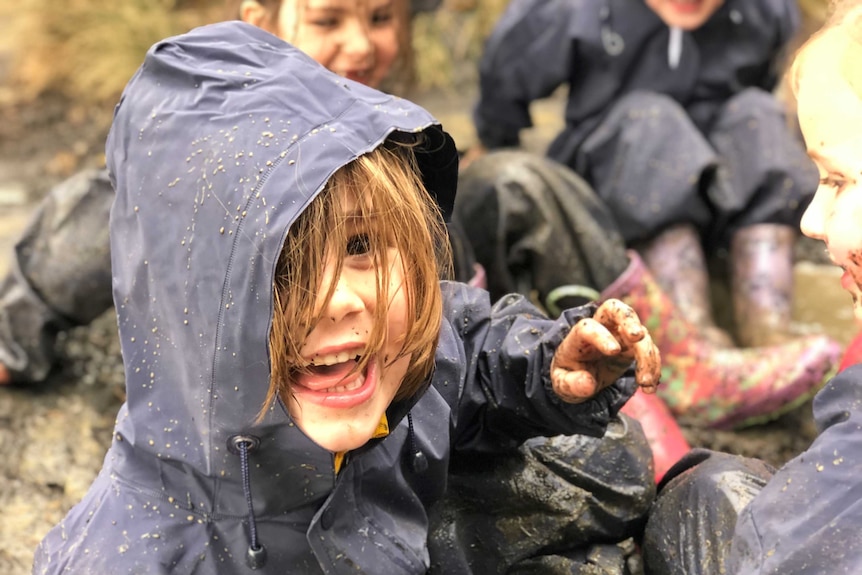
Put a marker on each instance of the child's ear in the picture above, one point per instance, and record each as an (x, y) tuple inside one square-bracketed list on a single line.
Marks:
[(253, 12)]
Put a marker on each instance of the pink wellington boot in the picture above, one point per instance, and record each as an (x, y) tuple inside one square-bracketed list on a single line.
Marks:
[(676, 260), (663, 434), (722, 388), (761, 262)]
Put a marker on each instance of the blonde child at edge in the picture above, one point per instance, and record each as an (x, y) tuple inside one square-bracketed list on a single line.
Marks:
[(807, 516)]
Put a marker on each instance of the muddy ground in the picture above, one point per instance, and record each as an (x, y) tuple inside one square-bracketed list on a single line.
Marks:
[(53, 437)]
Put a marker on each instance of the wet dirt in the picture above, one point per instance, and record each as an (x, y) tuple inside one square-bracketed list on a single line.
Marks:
[(53, 436)]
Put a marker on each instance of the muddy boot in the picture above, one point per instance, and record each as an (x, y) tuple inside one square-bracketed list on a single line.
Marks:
[(721, 388), (662, 432), (676, 259), (761, 259)]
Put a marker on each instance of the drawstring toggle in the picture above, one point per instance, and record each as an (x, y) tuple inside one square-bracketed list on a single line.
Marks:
[(242, 445)]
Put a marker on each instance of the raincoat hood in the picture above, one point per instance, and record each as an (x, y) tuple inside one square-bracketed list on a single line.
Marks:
[(219, 142)]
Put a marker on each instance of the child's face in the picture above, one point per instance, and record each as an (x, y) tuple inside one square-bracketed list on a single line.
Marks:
[(685, 14), (830, 115), (340, 411), (357, 39)]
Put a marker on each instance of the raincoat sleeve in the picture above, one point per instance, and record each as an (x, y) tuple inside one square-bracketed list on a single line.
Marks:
[(809, 515), (505, 396), (527, 56)]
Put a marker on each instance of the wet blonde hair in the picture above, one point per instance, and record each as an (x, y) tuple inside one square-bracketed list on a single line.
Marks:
[(400, 80), (845, 18), (395, 211)]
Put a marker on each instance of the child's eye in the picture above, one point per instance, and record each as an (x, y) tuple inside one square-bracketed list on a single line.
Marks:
[(358, 245), (382, 17), (833, 182), (325, 22)]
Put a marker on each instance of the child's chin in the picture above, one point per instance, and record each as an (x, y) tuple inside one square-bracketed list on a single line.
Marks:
[(341, 439)]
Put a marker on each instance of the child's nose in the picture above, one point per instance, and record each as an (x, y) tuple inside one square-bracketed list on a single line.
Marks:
[(346, 299), (812, 223), (358, 42)]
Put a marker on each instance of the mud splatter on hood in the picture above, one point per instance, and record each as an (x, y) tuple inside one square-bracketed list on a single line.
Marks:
[(221, 139)]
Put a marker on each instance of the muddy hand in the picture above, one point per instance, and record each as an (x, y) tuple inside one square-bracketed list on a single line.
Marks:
[(600, 349)]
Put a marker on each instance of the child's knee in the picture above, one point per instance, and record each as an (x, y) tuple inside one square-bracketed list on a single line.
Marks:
[(753, 103), (652, 107)]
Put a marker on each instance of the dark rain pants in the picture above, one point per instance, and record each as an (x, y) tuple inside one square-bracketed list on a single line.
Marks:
[(535, 225), (653, 167), (60, 274), (564, 505), (692, 521)]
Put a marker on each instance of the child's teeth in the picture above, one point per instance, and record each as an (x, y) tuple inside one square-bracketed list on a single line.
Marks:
[(356, 384), (334, 358)]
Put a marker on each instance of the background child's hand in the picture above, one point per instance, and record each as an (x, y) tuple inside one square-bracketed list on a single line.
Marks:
[(600, 349)]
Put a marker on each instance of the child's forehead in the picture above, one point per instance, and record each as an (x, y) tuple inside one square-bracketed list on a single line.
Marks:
[(832, 64), (835, 55), (352, 208), (340, 5), (830, 109), (346, 200)]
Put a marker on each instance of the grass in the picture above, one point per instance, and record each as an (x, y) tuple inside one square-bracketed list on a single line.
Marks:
[(84, 49)]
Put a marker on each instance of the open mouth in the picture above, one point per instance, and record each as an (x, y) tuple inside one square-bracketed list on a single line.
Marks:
[(332, 381), (361, 76), (686, 6)]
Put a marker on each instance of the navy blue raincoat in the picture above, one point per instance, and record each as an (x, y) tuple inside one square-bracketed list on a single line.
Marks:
[(808, 518), (221, 139)]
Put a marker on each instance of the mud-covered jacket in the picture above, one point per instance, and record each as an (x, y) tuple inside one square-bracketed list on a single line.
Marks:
[(808, 518), (605, 49), (221, 139)]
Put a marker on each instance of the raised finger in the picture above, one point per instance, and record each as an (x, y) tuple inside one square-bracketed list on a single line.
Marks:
[(647, 364), (621, 318), (587, 341)]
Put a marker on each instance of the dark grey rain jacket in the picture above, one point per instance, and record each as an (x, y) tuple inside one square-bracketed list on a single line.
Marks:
[(221, 139), (808, 518), (605, 49)]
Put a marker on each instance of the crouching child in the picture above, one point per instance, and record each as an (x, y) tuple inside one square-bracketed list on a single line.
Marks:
[(297, 374)]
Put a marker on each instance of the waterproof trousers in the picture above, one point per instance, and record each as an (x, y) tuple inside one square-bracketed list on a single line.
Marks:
[(654, 167)]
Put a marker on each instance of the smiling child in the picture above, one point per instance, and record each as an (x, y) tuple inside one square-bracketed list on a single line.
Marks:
[(297, 375)]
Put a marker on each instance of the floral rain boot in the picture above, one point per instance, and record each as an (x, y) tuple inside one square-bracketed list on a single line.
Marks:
[(706, 386)]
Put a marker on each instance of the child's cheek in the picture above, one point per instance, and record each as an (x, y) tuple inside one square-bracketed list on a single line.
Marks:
[(844, 232)]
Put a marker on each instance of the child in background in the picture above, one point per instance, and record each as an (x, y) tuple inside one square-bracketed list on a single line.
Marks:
[(823, 481), (670, 118), (808, 516), (297, 377)]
